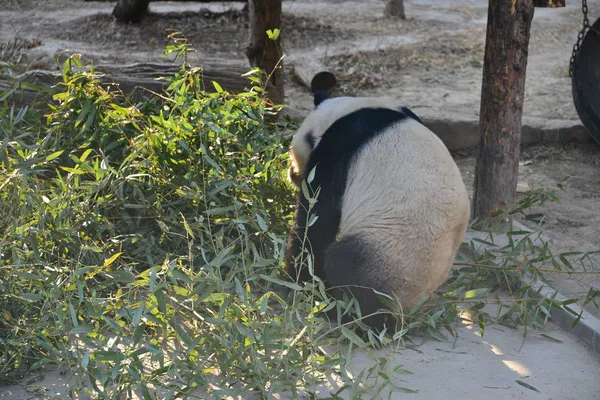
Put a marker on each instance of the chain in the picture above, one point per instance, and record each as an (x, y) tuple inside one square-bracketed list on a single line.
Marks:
[(581, 35)]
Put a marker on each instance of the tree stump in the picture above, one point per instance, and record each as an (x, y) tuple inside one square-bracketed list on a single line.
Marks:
[(503, 88), (264, 52), (395, 8), (130, 10)]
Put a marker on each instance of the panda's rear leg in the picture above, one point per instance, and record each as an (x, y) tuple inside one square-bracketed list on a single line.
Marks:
[(351, 268)]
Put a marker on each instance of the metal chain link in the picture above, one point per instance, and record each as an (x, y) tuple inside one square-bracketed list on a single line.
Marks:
[(581, 35)]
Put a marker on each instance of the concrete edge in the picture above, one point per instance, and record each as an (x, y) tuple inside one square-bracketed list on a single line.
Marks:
[(587, 328), (462, 131)]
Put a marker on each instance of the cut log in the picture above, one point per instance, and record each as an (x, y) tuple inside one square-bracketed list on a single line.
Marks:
[(134, 10), (311, 73), (129, 78)]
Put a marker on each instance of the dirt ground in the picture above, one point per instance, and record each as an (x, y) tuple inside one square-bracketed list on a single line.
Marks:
[(432, 61)]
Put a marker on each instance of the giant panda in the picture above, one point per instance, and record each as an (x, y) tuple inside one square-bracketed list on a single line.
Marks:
[(392, 207)]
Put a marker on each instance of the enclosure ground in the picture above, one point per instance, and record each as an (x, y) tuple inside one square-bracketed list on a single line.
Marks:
[(488, 367), (432, 60), (432, 63)]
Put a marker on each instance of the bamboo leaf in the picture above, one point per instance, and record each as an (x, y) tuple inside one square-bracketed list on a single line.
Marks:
[(353, 337), (111, 259), (54, 155), (526, 385)]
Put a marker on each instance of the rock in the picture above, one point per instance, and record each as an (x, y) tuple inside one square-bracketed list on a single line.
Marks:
[(523, 187)]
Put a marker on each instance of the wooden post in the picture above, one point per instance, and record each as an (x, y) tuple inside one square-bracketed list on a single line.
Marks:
[(502, 93), (395, 8), (264, 52), (503, 88)]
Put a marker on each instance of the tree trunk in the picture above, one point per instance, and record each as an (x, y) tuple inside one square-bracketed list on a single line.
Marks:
[(130, 10), (502, 95), (264, 52), (395, 8)]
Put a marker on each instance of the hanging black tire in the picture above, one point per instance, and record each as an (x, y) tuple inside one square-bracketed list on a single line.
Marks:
[(586, 81)]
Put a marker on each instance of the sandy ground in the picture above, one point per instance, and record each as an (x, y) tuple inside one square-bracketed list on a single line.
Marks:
[(489, 367), (431, 62)]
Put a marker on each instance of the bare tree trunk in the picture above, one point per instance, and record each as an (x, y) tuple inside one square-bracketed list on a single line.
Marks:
[(502, 95), (130, 10), (395, 8), (264, 52)]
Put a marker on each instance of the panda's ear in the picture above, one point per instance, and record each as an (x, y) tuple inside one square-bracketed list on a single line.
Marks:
[(320, 96)]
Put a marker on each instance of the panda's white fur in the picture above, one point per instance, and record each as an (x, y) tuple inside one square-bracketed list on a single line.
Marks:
[(404, 209)]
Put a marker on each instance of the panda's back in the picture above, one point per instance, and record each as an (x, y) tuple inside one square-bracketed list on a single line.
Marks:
[(341, 143), (401, 174), (406, 200)]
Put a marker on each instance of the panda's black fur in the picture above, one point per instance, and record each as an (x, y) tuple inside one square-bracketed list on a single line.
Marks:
[(362, 258)]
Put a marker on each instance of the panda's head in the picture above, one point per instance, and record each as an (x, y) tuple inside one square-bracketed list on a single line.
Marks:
[(326, 112), (300, 152)]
